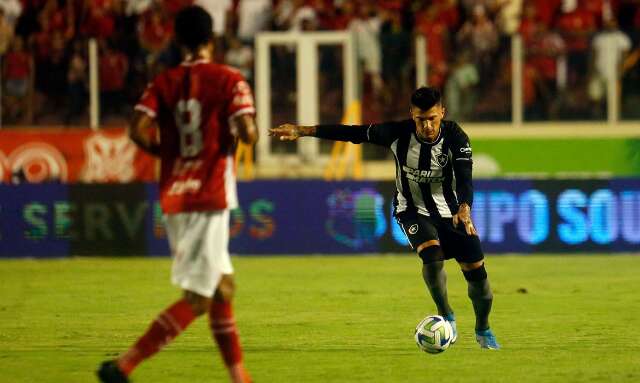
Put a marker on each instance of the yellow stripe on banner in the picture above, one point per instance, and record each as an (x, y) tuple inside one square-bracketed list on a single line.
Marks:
[(345, 153)]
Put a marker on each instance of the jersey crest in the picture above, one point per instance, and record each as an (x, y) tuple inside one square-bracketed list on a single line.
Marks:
[(441, 159)]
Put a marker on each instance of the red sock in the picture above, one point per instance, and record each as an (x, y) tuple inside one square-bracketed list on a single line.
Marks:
[(169, 324), (223, 327)]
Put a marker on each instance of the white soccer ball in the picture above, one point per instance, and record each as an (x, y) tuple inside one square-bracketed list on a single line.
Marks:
[(433, 334)]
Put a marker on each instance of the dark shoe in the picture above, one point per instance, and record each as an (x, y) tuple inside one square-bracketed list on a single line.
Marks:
[(109, 372)]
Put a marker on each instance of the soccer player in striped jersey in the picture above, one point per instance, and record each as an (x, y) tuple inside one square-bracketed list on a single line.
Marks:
[(434, 196), (200, 109)]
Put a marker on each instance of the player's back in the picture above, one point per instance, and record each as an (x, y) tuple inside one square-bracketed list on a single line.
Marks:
[(194, 103)]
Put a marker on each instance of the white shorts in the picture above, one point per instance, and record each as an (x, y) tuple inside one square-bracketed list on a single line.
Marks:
[(199, 244)]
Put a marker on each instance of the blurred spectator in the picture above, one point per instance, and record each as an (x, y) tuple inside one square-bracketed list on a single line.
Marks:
[(282, 14), (366, 28), (546, 10), (6, 33), (435, 28), (12, 10), (16, 72), (494, 104), (630, 96), (253, 16), (460, 90), (480, 37), (154, 35), (76, 82), (610, 48), (576, 25), (220, 11), (395, 43), (137, 7), (508, 13), (51, 77), (96, 19), (304, 17), (172, 7), (241, 57), (337, 16), (291, 14), (544, 54), (529, 23), (114, 66)]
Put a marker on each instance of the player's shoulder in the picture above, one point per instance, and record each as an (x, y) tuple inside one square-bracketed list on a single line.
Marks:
[(453, 130), (220, 69)]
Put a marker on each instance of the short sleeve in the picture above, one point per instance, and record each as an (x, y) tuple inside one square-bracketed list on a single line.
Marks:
[(241, 97), (385, 133), (150, 100)]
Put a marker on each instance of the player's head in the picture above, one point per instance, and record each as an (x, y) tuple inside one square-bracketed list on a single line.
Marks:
[(427, 112), (193, 27)]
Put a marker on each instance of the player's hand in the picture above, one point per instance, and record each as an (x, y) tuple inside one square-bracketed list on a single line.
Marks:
[(464, 216), (286, 132)]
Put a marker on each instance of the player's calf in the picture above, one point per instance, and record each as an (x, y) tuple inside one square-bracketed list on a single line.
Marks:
[(479, 292), (225, 332), (434, 276)]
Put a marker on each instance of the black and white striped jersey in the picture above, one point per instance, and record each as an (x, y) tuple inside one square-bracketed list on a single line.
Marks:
[(431, 178)]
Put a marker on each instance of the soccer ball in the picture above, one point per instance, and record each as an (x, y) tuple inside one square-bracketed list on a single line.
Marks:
[(433, 334)]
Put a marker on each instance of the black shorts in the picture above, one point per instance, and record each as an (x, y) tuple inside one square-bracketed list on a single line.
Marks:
[(454, 241)]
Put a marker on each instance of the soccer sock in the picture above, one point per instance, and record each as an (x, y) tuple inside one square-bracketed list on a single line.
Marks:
[(169, 324), (436, 279), (481, 296), (223, 327)]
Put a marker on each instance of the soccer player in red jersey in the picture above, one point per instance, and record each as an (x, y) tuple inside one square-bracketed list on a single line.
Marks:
[(201, 109)]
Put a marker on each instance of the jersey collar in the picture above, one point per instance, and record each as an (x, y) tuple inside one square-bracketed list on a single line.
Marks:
[(434, 142), (196, 62)]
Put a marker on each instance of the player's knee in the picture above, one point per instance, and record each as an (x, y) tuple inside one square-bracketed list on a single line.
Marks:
[(478, 273), (225, 290), (430, 252), (199, 304), (478, 284), (464, 266)]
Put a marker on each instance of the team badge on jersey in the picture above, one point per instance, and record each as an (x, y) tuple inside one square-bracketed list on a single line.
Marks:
[(413, 228), (442, 159)]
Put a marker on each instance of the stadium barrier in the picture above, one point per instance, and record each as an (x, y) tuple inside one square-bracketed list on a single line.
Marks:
[(319, 217)]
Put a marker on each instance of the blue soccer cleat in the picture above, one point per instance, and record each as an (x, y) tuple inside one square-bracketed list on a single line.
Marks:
[(452, 321), (487, 340)]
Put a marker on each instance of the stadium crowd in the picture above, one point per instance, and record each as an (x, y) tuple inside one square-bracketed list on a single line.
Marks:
[(43, 44)]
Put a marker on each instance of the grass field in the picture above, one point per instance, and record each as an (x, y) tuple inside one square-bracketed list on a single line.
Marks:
[(327, 319)]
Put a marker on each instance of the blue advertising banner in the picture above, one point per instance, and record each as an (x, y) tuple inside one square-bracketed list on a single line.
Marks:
[(318, 217)]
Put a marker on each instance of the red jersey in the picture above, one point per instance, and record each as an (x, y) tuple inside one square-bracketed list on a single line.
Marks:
[(193, 105)]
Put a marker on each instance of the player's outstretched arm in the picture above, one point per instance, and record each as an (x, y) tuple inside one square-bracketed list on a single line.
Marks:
[(291, 132), (141, 132)]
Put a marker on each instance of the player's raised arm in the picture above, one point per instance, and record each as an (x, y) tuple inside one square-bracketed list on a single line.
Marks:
[(142, 133), (245, 125)]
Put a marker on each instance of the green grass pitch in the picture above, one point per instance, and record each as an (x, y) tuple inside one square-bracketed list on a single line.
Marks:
[(327, 319)]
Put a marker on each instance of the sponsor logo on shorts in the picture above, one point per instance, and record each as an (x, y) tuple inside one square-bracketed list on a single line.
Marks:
[(413, 228)]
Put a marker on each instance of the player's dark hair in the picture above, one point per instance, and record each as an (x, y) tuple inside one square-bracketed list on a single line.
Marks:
[(426, 97), (194, 27)]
